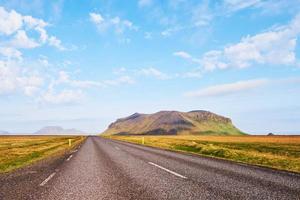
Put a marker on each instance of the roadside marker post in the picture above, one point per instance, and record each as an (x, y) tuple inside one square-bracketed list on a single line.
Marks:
[(143, 140), (70, 142)]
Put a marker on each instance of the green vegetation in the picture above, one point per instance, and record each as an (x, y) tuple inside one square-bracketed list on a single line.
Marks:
[(280, 152), (173, 123), (19, 151)]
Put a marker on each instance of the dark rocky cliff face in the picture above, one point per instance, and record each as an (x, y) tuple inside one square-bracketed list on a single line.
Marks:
[(201, 115)]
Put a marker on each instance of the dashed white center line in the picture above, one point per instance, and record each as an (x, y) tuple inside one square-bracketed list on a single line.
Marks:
[(117, 148), (47, 179), (69, 157), (167, 170)]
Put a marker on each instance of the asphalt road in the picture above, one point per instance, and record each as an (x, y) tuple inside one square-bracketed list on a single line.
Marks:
[(106, 169)]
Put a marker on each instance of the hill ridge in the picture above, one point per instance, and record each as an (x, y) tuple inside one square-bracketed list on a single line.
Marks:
[(173, 123), (47, 130)]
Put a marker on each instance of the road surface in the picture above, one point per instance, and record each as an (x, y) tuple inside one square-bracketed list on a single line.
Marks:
[(106, 169)]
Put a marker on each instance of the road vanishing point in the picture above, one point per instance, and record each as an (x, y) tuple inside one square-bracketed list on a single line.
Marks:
[(107, 169)]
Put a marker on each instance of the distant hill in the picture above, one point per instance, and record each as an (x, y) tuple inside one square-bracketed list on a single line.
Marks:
[(198, 122), (57, 130), (4, 132)]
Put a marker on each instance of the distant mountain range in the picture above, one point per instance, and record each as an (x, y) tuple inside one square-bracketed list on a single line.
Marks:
[(198, 122), (57, 130), (4, 132)]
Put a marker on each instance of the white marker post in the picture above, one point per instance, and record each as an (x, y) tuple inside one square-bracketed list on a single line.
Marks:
[(70, 142), (143, 140)]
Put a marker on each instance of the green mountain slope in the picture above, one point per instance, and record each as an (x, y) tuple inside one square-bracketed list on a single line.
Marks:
[(173, 123)]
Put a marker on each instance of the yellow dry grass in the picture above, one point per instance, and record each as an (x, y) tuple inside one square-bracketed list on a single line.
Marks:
[(280, 152), (19, 151)]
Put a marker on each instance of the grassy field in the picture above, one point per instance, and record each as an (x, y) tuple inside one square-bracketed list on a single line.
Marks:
[(280, 152), (19, 151)]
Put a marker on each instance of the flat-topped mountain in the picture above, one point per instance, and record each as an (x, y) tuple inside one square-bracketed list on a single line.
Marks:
[(173, 123), (57, 130)]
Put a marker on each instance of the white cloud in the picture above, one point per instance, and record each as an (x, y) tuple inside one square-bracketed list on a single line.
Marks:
[(154, 73), (197, 73), (182, 54), (276, 47), (120, 70), (96, 18), (43, 60), (47, 88), (193, 16), (272, 7), (187, 56), (236, 5), (201, 14), (10, 22), (8, 81), (53, 41), (25, 32), (63, 97), (32, 22), (16, 26), (43, 34), (21, 40), (144, 3), (119, 81), (14, 79), (211, 60), (30, 84), (122, 25), (170, 31), (10, 53), (166, 32), (118, 25), (226, 89), (65, 78), (66, 90)]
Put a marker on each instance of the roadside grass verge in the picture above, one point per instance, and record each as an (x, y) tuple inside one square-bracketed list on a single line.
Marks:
[(19, 151), (279, 152)]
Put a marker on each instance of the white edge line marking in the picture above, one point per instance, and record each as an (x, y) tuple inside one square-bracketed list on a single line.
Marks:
[(174, 173), (117, 148), (69, 157), (47, 179)]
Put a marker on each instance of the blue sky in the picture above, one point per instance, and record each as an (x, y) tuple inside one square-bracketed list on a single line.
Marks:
[(82, 64)]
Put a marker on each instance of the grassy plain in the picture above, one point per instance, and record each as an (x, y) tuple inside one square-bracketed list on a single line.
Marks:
[(19, 151), (280, 152)]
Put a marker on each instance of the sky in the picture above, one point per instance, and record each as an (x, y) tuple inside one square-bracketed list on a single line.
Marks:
[(83, 64)]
